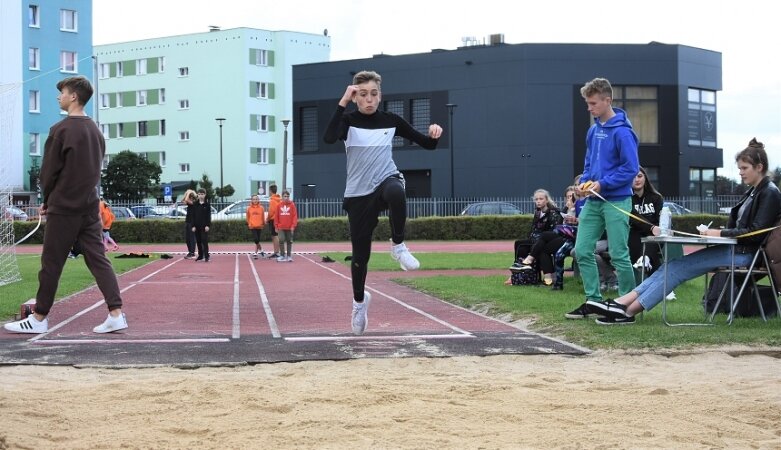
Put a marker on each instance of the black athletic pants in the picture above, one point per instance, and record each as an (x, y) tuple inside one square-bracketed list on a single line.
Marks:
[(363, 213)]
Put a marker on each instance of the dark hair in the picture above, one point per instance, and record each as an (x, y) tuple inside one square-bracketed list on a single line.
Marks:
[(648, 186), (201, 191), (273, 188), (284, 193), (754, 154), (78, 85)]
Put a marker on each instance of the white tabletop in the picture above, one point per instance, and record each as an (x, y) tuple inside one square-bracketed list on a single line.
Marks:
[(692, 240)]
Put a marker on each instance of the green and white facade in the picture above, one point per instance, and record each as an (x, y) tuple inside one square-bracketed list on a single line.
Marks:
[(161, 98)]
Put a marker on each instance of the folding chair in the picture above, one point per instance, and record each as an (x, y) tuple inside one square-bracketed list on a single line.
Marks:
[(757, 270)]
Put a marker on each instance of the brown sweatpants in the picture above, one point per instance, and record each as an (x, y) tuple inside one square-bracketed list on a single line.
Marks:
[(61, 232)]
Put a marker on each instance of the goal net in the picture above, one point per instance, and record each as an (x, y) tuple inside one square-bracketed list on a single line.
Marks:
[(10, 102)]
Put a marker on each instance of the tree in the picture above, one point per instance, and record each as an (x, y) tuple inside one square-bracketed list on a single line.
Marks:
[(130, 177), (728, 186), (206, 184), (226, 191), (775, 175)]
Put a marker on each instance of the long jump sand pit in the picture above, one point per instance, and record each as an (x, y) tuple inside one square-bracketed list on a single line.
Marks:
[(704, 399)]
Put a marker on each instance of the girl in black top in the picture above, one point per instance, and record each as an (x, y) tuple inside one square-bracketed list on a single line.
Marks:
[(646, 203)]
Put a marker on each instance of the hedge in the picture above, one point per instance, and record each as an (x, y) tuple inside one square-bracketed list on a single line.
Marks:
[(326, 229)]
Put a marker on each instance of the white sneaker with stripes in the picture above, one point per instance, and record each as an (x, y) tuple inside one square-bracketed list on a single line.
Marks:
[(29, 325)]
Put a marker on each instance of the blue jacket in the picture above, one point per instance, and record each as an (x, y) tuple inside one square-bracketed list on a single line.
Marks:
[(611, 156)]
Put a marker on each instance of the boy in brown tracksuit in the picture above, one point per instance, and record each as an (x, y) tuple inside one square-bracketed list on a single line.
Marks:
[(70, 173)]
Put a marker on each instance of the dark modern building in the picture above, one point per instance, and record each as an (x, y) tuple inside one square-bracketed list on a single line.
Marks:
[(518, 119)]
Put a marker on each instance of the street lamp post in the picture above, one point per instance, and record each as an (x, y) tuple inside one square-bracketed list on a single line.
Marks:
[(285, 123), (450, 108), (220, 120)]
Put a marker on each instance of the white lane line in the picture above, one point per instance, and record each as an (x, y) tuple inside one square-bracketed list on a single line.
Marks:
[(390, 297), (236, 307), (100, 302), (272, 323), (133, 341), (407, 337)]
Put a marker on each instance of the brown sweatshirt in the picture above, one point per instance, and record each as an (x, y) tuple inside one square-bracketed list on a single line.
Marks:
[(72, 162)]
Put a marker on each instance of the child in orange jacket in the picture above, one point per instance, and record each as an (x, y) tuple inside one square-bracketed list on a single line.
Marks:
[(285, 222), (256, 220), (107, 219)]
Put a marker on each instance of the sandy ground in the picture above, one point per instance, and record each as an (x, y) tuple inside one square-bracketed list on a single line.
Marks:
[(708, 399)]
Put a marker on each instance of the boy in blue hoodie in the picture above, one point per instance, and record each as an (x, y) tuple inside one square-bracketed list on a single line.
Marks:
[(610, 167)]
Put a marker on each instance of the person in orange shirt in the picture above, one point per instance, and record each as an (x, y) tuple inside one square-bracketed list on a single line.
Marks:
[(256, 220), (273, 202), (107, 218), (286, 221)]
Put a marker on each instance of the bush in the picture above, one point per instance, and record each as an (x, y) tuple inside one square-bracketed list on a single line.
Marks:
[(324, 229)]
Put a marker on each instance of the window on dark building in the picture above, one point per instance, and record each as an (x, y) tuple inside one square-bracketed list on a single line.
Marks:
[(309, 135), (421, 114), (641, 104), (701, 118), (702, 181), (396, 107)]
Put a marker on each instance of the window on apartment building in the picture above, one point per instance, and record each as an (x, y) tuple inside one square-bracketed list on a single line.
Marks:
[(641, 104), (141, 67), (161, 64), (263, 123), (701, 118), (259, 57), (261, 187), (420, 111), (34, 16), (35, 144), (120, 130), (184, 135), (260, 89), (34, 58), (69, 20), (104, 128), (161, 100), (309, 134), (184, 71), (184, 104), (105, 101), (162, 159), (141, 98), (162, 127), (396, 107), (119, 100), (261, 155), (104, 71), (69, 61), (35, 101), (184, 167), (142, 129), (120, 69)]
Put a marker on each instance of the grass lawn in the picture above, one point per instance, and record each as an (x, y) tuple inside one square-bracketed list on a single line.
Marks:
[(75, 277), (543, 310)]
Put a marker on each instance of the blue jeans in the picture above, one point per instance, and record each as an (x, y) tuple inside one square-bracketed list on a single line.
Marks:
[(651, 291)]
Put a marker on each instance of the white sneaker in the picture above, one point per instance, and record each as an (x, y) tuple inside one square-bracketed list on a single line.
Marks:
[(289, 258), (671, 296), (281, 258), (401, 254), (30, 325), (112, 324), (360, 318)]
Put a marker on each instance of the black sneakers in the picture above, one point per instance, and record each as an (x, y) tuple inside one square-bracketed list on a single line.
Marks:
[(609, 308), (581, 312), (615, 320)]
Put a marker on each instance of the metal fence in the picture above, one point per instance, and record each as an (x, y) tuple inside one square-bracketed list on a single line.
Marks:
[(428, 207)]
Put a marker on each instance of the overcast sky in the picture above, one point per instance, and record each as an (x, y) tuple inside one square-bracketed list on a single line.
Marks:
[(745, 32)]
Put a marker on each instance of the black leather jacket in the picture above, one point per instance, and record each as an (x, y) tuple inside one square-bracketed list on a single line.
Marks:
[(764, 211)]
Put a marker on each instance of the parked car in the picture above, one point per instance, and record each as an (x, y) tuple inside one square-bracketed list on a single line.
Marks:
[(237, 210), (122, 213), (15, 213), (490, 208), (149, 212), (677, 209)]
